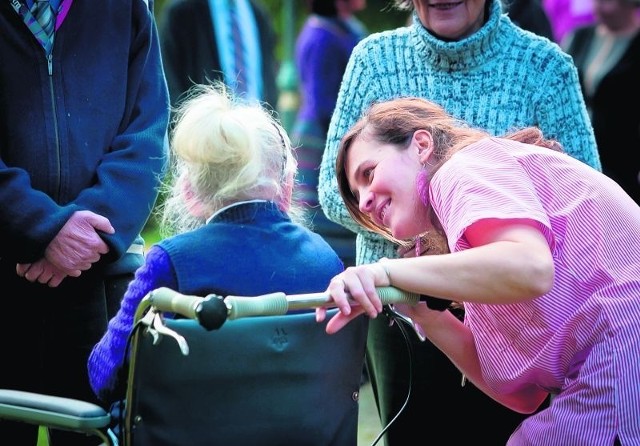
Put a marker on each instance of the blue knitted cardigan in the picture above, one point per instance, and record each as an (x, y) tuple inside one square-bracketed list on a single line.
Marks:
[(499, 79)]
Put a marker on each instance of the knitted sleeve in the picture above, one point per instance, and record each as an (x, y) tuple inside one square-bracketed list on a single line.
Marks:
[(563, 114), (107, 356), (365, 81)]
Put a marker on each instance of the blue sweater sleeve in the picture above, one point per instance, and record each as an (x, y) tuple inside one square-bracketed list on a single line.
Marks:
[(108, 355)]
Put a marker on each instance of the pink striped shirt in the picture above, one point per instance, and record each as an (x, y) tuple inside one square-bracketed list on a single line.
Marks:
[(580, 341)]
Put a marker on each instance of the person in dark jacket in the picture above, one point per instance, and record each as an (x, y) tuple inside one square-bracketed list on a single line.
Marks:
[(607, 55), (196, 45), (530, 15), (229, 223), (83, 119)]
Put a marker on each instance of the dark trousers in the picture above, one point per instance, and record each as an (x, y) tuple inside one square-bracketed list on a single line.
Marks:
[(46, 336), (437, 401)]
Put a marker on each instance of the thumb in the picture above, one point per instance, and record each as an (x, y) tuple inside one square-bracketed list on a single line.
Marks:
[(100, 223)]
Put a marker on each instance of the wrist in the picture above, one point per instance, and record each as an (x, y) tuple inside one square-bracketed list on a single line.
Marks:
[(432, 302), (385, 267)]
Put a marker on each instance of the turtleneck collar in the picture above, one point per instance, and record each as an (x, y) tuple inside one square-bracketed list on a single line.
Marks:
[(463, 54)]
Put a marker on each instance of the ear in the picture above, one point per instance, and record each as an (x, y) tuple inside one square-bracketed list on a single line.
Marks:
[(423, 141)]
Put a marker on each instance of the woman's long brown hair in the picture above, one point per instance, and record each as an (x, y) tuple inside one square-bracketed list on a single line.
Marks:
[(394, 122)]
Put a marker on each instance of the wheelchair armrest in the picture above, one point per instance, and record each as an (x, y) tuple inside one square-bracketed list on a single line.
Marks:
[(53, 411)]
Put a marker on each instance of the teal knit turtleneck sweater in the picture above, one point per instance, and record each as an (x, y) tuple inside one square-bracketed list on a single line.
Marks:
[(499, 79)]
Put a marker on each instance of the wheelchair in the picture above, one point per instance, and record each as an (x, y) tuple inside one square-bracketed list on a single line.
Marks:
[(230, 371)]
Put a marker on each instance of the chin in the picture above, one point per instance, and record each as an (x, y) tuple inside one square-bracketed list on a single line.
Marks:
[(406, 233), (402, 235)]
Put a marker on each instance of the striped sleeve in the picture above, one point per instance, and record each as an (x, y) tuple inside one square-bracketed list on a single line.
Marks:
[(480, 182)]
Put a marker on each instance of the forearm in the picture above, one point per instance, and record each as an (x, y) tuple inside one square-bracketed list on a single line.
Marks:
[(108, 355), (30, 219), (497, 273), (456, 341)]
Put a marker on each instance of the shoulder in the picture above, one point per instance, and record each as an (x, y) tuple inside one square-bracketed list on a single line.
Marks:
[(182, 241), (382, 48), (532, 49), (385, 39), (316, 29)]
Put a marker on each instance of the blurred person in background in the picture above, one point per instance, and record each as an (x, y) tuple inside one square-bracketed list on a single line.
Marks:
[(530, 15), (322, 51), (566, 15), (607, 55), (198, 41)]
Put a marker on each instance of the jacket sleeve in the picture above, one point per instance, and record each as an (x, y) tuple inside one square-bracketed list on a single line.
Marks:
[(16, 220), (129, 175)]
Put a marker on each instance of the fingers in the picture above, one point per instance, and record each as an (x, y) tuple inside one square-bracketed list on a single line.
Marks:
[(22, 268), (362, 291), (321, 314), (78, 245), (99, 222), (42, 272), (337, 322), (406, 251), (56, 280), (354, 293), (337, 290)]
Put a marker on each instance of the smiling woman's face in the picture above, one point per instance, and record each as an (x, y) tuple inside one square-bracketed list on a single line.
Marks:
[(451, 19), (383, 179)]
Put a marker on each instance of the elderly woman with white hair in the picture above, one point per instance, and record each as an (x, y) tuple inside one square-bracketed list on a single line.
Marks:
[(228, 210)]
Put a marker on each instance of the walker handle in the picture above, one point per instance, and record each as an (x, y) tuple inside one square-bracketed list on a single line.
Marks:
[(211, 311)]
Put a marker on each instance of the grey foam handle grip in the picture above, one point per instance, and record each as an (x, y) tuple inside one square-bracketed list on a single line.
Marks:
[(279, 303), (165, 299), (168, 300)]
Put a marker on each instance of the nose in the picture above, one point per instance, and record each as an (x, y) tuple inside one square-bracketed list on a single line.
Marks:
[(366, 202)]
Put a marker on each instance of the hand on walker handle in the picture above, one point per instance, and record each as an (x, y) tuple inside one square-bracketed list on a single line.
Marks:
[(359, 284)]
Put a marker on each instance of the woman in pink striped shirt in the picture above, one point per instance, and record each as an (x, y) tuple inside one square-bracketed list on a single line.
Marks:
[(542, 250)]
